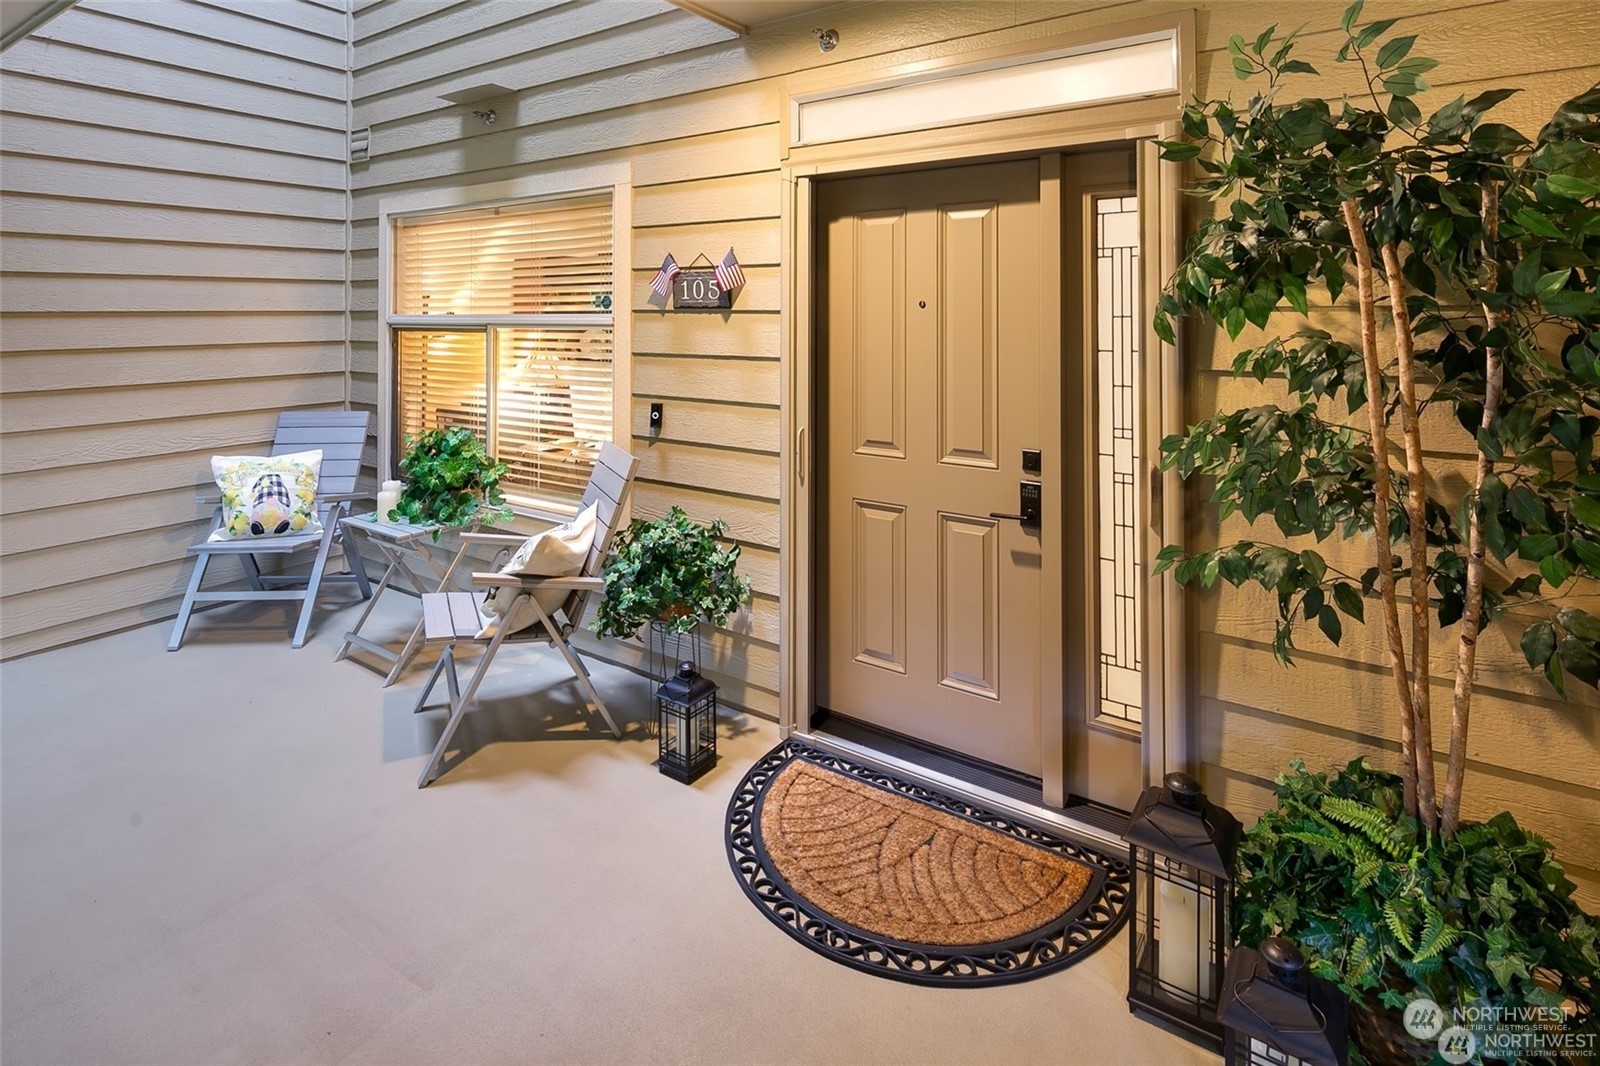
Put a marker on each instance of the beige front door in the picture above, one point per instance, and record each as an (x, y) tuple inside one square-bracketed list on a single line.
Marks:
[(929, 390)]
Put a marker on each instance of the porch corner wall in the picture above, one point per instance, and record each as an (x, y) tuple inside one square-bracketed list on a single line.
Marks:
[(171, 276)]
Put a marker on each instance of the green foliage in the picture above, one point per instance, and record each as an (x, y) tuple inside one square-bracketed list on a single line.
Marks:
[(1277, 172), (672, 570), (1486, 917), (451, 480)]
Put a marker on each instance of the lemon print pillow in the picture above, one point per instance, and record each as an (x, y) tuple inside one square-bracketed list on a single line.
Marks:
[(267, 496)]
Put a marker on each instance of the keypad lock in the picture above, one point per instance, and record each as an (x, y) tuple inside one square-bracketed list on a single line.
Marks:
[(1029, 505)]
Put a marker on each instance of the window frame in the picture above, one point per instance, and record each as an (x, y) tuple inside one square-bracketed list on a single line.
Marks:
[(615, 179)]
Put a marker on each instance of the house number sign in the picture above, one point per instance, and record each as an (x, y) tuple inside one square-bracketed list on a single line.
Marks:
[(699, 290)]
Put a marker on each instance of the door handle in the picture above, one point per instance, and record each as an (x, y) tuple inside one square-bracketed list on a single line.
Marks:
[(800, 454), (1029, 504)]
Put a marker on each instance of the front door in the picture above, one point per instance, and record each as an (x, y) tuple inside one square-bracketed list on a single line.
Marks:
[(929, 395)]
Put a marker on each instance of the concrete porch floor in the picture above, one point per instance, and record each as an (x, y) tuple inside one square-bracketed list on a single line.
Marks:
[(220, 855)]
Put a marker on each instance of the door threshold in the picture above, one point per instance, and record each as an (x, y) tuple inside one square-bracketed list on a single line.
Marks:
[(1000, 791)]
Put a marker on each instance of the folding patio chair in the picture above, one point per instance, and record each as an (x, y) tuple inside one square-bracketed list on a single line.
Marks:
[(341, 435), (453, 618)]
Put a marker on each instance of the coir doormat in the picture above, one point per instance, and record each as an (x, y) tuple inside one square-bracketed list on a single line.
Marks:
[(901, 881)]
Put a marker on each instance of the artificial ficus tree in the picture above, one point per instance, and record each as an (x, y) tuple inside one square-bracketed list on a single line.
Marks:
[(1475, 253)]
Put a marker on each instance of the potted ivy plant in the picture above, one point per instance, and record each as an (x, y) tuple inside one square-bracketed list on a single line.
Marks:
[(1470, 253), (671, 571), (451, 480)]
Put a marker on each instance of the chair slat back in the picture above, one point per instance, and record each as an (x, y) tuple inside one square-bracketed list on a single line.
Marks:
[(608, 488), (342, 436)]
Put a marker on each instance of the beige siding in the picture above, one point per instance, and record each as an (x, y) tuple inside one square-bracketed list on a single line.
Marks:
[(174, 192)]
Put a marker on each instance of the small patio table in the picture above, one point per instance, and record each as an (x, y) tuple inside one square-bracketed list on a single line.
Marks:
[(406, 547)]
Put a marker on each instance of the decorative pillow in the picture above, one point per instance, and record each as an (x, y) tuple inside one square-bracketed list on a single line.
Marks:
[(557, 552), (267, 496)]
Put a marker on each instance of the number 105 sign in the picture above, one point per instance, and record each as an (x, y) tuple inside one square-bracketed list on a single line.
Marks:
[(698, 290)]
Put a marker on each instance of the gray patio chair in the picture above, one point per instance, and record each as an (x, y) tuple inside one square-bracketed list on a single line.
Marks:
[(455, 618), (341, 435)]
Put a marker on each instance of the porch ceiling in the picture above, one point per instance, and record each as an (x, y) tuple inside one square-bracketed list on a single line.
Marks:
[(741, 15)]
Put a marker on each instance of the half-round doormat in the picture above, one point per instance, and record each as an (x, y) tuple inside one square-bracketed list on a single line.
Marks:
[(901, 881)]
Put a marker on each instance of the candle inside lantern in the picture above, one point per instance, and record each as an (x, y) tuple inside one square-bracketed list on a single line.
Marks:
[(686, 737), (1183, 915)]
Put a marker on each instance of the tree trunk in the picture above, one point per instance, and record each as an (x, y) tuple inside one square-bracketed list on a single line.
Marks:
[(1417, 511), (1381, 506), (1472, 610)]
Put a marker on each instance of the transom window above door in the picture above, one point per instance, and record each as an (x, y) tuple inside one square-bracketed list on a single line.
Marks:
[(502, 320)]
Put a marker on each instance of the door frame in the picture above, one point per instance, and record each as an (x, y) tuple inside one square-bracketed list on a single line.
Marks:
[(1140, 122)]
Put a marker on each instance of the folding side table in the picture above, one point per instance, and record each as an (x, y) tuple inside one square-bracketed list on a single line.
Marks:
[(406, 547)]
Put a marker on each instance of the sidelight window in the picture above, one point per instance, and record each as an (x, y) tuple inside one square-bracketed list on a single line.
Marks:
[(1117, 334)]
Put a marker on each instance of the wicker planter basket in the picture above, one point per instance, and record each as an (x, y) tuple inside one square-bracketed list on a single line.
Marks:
[(1380, 1033)]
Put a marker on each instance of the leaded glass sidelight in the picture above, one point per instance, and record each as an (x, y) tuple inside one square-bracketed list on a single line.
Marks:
[(1117, 345)]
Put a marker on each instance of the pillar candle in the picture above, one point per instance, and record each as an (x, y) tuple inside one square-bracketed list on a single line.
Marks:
[(1182, 937)]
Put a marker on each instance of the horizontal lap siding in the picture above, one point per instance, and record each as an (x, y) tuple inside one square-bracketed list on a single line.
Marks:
[(174, 190), (1529, 752)]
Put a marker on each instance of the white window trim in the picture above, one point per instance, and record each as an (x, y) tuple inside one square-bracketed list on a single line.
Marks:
[(617, 178)]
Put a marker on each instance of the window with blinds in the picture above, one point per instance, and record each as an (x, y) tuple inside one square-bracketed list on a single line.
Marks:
[(525, 359)]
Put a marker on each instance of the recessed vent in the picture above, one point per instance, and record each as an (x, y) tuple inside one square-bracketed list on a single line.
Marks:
[(360, 142)]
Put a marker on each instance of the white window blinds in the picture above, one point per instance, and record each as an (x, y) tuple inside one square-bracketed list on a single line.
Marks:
[(526, 358), (547, 258)]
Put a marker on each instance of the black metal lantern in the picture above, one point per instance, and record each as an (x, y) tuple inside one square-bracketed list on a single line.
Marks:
[(1274, 1013), (1181, 848), (686, 713)]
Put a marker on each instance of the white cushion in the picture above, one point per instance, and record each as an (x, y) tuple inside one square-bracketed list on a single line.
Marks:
[(557, 552), (267, 496)]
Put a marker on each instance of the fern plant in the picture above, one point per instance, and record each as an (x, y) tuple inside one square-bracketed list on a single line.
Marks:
[(1388, 910)]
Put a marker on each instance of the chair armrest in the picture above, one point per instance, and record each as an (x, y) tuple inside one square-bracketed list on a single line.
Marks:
[(494, 538), (342, 497), (524, 581)]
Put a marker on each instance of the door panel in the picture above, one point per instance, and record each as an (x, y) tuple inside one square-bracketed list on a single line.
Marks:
[(880, 585), (928, 382), (969, 604), (879, 402), (969, 338)]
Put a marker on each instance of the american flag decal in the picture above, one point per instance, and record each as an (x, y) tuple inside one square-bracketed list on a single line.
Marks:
[(729, 276), (661, 284)]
